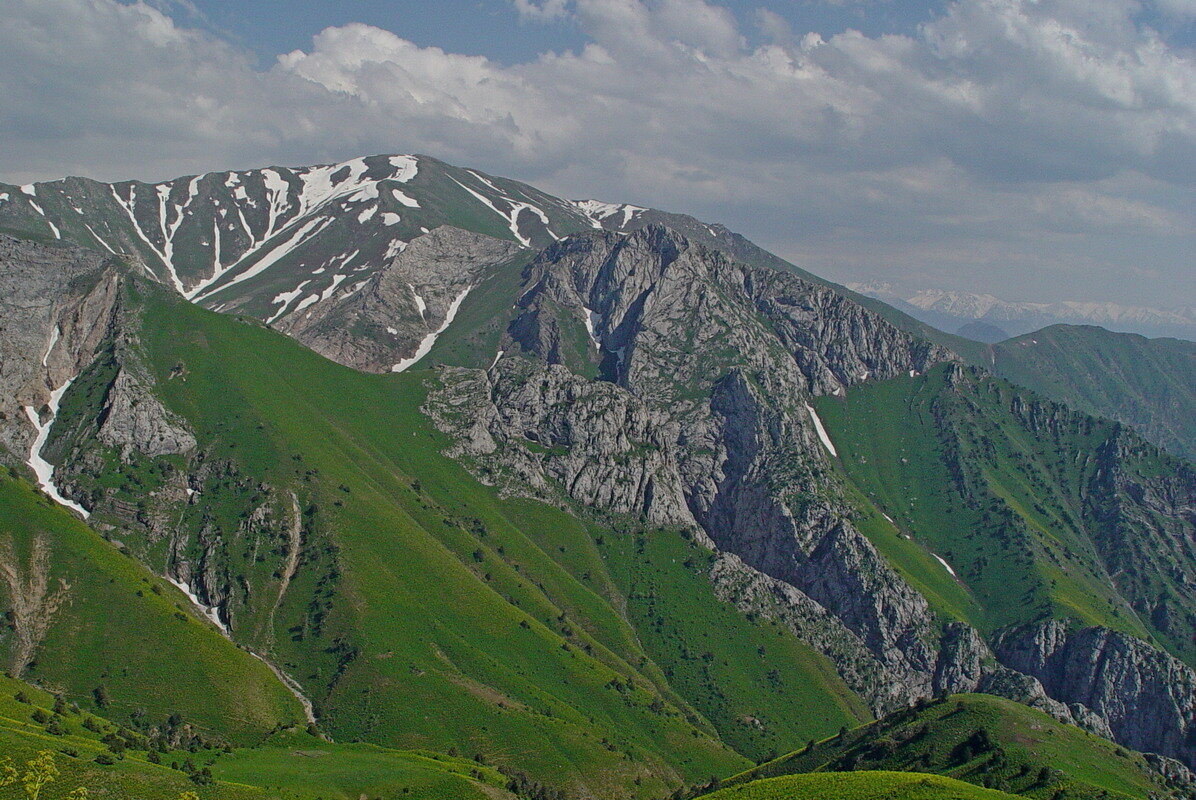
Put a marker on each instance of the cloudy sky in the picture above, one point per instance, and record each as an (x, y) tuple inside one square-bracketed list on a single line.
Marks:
[(1035, 149)]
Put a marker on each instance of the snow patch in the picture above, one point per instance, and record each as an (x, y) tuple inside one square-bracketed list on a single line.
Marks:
[(407, 166), (98, 239), (336, 281), (495, 361), (310, 300), (43, 469), (29, 189), (826, 440), (286, 298), (390, 218), (419, 302), (945, 565), (365, 216), (405, 199), (211, 612), (589, 317), (50, 348), (430, 339)]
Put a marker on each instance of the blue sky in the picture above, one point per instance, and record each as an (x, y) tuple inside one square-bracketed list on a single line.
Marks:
[(1034, 149)]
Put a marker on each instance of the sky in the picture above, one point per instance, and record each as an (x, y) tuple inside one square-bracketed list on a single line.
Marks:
[(1033, 149)]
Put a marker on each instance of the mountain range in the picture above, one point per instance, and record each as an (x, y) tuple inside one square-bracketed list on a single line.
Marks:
[(449, 485), (951, 310)]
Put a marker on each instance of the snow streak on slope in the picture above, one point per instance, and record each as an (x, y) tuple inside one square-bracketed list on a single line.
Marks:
[(304, 234), (43, 469), (511, 217), (945, 565), (826, 440), (597, 212), (590, 318), (127, 205), (211, 612), (430, 339)]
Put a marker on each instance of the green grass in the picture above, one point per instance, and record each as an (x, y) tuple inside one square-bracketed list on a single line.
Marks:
[(133, 634), (858, 786), (759, 685), (1022, 750), (1147, 383), (966, 479), (290, 765), (428, 613)]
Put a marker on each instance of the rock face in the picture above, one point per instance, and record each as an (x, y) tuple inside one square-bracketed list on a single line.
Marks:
[(383, 321), (709, 365), (56, 307), (546, 428), (1147, 697), (135, 420)]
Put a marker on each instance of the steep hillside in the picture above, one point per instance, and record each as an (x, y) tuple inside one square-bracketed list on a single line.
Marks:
[(983, 740), (1149, 384), (115, 633)]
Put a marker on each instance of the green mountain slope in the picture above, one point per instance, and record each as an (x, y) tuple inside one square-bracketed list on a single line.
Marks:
[(1147, 383), (1018, 497), (858, 786), (424, 611), (141, 762), (124, 634), (984, 740)]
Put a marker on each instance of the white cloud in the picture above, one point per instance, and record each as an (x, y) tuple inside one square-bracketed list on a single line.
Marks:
[(1048, 133)]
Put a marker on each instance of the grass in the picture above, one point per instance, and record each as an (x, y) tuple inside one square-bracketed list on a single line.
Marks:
[(858, 786), (984, 740), (754, 680), (1147, 383), (964, 478), (291, 765)]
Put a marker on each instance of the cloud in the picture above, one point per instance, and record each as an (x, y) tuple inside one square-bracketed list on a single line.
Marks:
[(1041, 135)]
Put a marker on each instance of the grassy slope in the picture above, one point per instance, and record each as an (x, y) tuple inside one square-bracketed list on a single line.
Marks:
[(747, 679), (934, 739), (858, 786), (1011, 532), (290, 765), (132, 633), (1147, 383), (458, 622)]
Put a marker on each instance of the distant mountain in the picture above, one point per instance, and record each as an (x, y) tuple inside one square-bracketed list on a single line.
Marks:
[(948, 310), (982, 332), (1147, 383)]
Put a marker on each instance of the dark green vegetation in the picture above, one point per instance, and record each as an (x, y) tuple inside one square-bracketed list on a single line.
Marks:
[(858, 786), (1147, 383), (1020, 497), (981, 739), (426, 612)]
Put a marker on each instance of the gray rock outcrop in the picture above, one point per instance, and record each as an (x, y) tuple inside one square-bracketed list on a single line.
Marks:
[(383, 322)]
